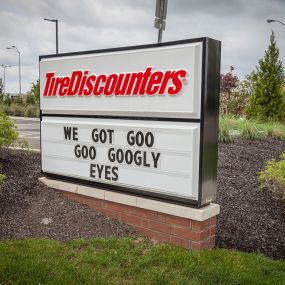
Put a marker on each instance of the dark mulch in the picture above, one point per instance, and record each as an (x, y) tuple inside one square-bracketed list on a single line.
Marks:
[(250, 219), (25, 202)]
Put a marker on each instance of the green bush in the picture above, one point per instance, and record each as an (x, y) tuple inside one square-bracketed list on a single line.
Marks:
[(251, 130), (5, 109), (32, 111), (2, 108), (225, 125), (8, 131), (231, 127), (2, 178), (273, 177), (16, 110), (275, 130)]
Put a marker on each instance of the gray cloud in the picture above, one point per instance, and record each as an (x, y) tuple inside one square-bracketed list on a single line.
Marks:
[(94, 24)]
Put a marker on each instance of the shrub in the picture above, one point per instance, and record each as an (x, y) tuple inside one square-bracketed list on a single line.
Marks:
[(5, 109), (16, 110), (2, 108), (19, 100), (224, 130), (273, 177), (2, 178), (8, 131), (32, 111), (251, 130), (275, 130), (231, 127)]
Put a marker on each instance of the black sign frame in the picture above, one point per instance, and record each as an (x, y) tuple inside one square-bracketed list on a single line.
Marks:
[(209, 120)]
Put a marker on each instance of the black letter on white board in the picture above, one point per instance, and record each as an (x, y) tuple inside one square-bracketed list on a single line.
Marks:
[(67, 133)]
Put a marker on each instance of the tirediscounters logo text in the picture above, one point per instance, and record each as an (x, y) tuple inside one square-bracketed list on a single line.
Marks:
[(149, 82)]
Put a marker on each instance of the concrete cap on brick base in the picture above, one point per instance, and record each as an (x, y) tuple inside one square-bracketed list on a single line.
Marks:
[(201, 214)]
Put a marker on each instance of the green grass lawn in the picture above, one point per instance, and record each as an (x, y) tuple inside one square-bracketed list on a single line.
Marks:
[(128, 261)]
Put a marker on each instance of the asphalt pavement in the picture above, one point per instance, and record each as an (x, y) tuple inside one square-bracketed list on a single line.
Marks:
[(29, 130)]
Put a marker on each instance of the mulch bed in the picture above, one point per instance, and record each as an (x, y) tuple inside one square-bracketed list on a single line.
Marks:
[(250, 219), (26, 207)]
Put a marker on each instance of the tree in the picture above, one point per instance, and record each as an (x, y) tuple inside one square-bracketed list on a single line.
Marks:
[(33, 96), (228, 83), (267, 101), (35, 90), (241, 94)]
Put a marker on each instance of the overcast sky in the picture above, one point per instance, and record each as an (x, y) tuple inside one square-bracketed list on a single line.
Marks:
[(95, 24)]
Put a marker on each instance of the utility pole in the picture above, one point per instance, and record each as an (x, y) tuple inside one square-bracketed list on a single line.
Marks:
[(160, 17)]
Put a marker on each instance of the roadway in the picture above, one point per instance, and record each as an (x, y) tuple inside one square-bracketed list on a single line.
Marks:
[(29, 130)]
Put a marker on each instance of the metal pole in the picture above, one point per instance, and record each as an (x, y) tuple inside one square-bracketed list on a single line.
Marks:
[(160, 17), (19, 54), (4, 79), (56, 28), (56, 32), (159, 39), (276, 21), (20, 73)]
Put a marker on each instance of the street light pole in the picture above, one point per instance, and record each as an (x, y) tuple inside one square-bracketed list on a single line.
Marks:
[(56, 32), (19, 54), (160, 17), (4, 69), (272, 21)]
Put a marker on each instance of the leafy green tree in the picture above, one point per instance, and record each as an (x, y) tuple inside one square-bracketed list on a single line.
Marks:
[(35, 91), (267, 101)]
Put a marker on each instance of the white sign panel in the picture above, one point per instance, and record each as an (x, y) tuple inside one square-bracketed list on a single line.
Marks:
[(152, 82), (142, 120), (161, 157)]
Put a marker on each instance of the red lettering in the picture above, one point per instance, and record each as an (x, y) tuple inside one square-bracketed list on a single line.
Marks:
[(177, 78), (82, 83), (110, 84), (49, 76), (135, 82), (98, 91), (154, 83), (64, 86), (146, 76), (74, 83), (89, 86), (124, 84)]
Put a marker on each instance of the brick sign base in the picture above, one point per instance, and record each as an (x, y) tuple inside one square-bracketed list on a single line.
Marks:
[(198, 232)]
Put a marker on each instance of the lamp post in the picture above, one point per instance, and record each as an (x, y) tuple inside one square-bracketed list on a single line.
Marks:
[(4, 69), (160, 17), (56, 31), (272, 21), (19, 54)]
